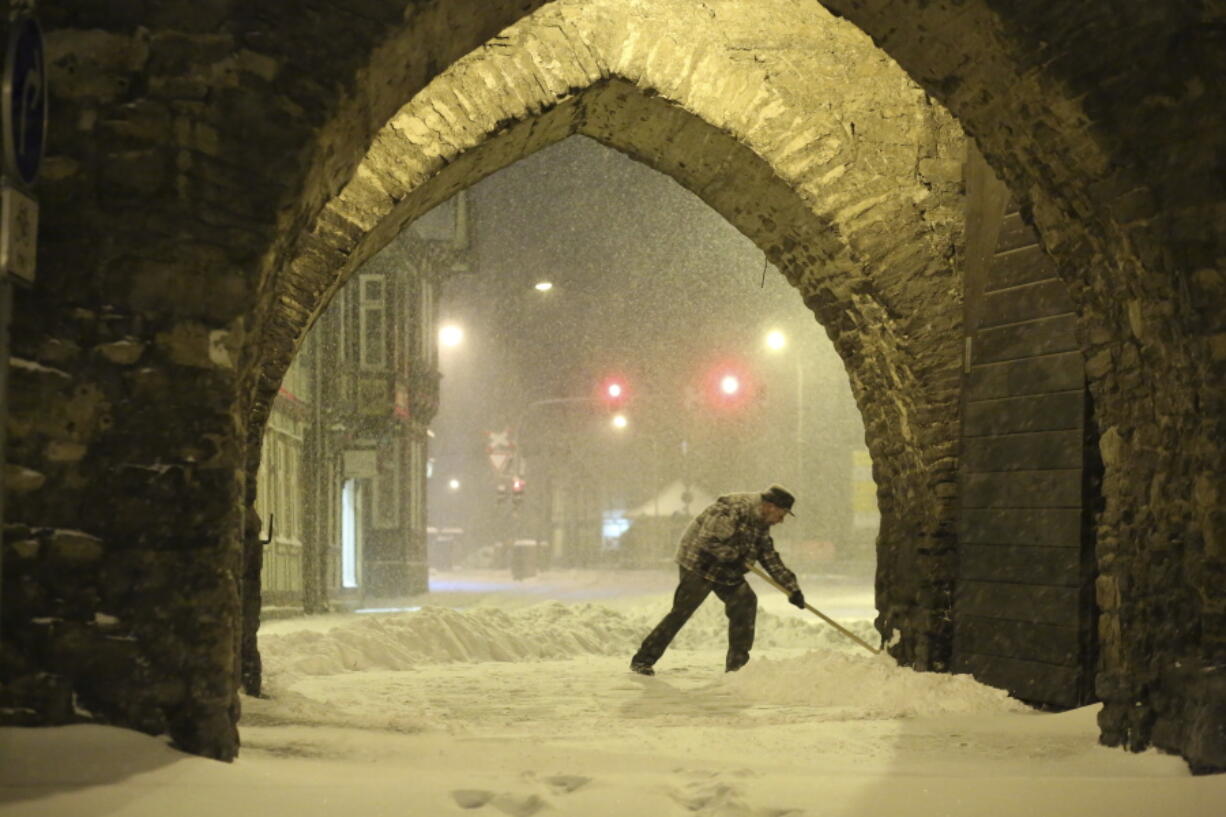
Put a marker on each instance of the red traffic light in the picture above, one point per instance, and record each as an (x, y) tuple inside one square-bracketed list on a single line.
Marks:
[(614, 392), (730, 386), (517, 486)]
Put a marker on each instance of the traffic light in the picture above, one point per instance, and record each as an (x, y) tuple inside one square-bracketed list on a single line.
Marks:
[(517, 490), (731, 387), (614, 392)]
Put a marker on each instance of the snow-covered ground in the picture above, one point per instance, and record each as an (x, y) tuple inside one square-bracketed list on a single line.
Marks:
[(491, 697)]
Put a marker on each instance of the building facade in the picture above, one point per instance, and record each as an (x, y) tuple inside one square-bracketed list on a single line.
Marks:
[(342, 479)]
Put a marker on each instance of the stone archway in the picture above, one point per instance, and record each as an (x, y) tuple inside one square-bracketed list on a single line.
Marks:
[(190, 152), (858, 205)]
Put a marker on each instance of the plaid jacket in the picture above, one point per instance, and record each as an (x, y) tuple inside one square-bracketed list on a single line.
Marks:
[(726, 537)]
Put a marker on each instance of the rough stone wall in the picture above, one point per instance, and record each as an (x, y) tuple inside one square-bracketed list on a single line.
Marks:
[(184, 136), (796, 130), (1110, 119), (194, 144)]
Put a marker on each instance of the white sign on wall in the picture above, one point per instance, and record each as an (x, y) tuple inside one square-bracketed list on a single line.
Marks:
[(18, 234)]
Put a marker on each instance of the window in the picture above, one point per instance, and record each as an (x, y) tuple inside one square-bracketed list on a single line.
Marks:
[(372, 332)]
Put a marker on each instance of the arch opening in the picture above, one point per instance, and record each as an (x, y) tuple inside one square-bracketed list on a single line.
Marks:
[(819, 214)]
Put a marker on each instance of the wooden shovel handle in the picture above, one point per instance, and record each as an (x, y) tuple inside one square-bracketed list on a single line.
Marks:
[(817, 612)]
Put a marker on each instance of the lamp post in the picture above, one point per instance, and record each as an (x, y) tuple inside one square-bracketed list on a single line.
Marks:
[(776, 341)]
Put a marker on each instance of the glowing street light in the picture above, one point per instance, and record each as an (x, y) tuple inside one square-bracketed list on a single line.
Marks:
[(619, 421), (776, 341), (730, 384), (453, 484), (543, 286), (450, 335)]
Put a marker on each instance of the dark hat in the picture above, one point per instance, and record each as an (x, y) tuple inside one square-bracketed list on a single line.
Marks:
[(780, 497)]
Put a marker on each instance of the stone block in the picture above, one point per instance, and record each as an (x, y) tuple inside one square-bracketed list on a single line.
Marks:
[(1021, 564), (121, 352), (1028, 413), (1038, 604), (1033, 681), (74, 548), (1021, 640), (135, 174), (37, 699), (1107, 592), (61, 451), (21, 480), (1045, 527), (1014, 378), (1214, 532), (1024, 451), (1041, 299), (1043, 336), (1020, 266), (26, 548), (1113, 448), (58, 351), (1217, 347), (1023, 489), (1110, 641)]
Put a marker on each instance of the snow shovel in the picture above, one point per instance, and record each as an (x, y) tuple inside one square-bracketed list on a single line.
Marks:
[(817, 612)]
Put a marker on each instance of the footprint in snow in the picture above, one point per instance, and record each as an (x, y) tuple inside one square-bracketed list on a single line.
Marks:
[(566, 783), (723, 800), (515, 805), (518, 805), (471, 798)]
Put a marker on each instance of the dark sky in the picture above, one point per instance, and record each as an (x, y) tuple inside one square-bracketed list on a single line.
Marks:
[(649, 283)]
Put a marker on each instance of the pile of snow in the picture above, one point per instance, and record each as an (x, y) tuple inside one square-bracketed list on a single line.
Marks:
[(834, 679), (548, 631), (864, 687)]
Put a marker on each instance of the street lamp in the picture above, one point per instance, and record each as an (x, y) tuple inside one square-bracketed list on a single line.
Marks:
[(450, 335), (543, 286), (453, 485), (777, 341)]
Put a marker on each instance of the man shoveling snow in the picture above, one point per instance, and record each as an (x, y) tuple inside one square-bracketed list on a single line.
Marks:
[(715, 553)]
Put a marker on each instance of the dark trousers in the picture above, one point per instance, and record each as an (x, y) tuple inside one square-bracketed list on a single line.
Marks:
[(740, 604)]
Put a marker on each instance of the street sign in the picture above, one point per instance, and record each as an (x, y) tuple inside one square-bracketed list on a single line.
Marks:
[(24, 103), (500, 448), (18, 234)]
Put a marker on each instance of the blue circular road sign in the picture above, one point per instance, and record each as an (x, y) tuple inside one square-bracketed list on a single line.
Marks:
[(24, 101)]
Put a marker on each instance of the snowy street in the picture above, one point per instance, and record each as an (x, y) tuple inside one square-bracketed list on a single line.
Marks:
[(498, 698)]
